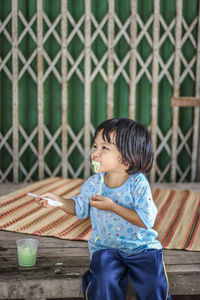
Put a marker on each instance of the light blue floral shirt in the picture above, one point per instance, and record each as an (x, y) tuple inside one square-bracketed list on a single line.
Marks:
[(109, 230)]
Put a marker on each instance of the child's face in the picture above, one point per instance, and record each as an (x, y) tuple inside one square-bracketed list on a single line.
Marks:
[(107, 155)]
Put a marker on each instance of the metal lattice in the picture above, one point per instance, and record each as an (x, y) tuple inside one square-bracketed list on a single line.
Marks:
[(132, 67)]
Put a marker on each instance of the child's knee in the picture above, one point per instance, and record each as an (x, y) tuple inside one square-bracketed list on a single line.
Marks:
[(105, 267), (105, 279), (104, 275)]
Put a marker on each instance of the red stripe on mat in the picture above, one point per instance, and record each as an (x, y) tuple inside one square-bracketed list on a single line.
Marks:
[(155, 194), (175, 221), (12, 210), (191, 229), (84, 234), (50, 225), (163, 210), (14, 198), (20, 218), (195, 231), (70, 228), (37, 220)]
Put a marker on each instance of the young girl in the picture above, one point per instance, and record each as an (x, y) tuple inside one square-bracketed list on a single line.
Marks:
[(119, 201)]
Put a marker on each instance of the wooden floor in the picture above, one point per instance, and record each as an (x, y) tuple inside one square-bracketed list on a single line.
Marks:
[(61, 263)]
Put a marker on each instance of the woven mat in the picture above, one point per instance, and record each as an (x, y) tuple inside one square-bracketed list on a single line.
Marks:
[(177, 221)]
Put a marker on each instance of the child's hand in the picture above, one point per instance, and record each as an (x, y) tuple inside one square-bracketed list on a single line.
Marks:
[(102, 203), (40, 199)]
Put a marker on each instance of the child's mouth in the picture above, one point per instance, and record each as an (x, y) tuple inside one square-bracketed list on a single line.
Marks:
[(96, 166)]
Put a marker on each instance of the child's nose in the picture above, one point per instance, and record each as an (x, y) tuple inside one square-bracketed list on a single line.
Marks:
[(96, 152)]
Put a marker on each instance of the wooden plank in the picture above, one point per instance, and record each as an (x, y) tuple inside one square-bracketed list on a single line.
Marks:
[(87, 89), (63, 287), (54, 262), (178, 186), (185, 101), (183, 268), (133, 62), (182, 284), (44, 241), (177, 69), (49, 272), (79, 257), (110, 66), (64, 94), (155, 73), (197, 110), (40, 92), (60, 252), (15, 111), (174, 257)]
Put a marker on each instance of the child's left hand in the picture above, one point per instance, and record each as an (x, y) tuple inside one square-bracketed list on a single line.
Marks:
[(102, 203)]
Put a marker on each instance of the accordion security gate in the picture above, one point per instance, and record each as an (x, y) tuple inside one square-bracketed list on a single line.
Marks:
[(67, 65)]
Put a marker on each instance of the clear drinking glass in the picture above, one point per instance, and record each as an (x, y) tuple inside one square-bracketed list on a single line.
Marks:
[(27, 252)]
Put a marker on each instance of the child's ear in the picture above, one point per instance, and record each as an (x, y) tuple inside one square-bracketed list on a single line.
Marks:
[(126, 164), (127, 167)]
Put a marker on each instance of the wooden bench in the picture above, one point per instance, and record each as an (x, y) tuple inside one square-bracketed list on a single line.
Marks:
[(61, 263)]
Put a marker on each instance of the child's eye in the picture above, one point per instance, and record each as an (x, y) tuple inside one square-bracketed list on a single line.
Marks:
[(94, 146), (105, 148)]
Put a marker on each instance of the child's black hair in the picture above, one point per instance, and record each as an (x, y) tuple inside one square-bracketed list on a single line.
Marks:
[(132, 140)]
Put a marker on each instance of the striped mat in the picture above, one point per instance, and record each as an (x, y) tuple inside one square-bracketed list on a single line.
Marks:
[(177, 221)]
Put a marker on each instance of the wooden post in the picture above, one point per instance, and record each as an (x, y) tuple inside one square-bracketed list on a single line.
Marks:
[(177, 65), (155, 73), (133, 61), (192, 102), (110, 67), (87, 90), (196, 138), (64, 95), (40, 89), (15, 121)]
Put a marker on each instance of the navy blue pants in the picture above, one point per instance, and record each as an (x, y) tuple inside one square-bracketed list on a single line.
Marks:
[(107, 277)]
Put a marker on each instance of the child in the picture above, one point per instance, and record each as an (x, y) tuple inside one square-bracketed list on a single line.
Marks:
[(123, 244)]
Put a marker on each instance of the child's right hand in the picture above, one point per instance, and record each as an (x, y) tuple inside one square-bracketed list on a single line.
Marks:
[(41, 201)]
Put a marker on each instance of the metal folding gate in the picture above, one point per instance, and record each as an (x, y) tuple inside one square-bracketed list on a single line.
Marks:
[(66, 65)]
